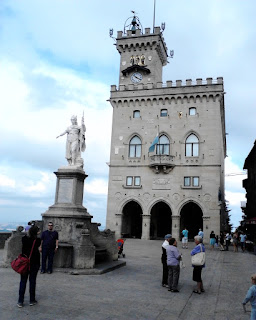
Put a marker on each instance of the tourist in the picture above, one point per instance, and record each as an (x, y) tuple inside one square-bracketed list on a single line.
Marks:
[(49, 246), (164, 260), (235, 241), (185, 238), (30, 224), (201, 234), (27, 243), (212, 239), (242, 240), (222, 241), (173, 263), (197, 272), (217, 240), (251, 296), (227, 240)]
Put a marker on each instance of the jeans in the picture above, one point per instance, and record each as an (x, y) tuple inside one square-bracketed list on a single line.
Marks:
[(173, 276), (32, 283), (47, 253)]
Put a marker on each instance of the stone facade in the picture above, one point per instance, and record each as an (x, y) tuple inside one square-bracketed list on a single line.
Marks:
[(178, 184)]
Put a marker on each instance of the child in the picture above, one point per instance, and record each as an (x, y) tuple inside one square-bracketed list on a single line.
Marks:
[(251, 296)]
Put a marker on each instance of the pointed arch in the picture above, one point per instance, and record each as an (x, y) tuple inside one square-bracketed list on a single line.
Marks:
[(135, 147), (192, 146)]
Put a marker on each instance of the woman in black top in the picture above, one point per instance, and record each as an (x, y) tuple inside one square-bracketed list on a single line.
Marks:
[(27, 243)]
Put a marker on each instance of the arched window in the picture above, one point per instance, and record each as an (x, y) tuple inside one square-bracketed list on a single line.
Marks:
[(135, 147), (136, 113), (163, 146), (192, 143), (192, 111)]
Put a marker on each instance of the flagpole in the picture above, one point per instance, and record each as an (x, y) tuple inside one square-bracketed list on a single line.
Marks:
[(154, 15)]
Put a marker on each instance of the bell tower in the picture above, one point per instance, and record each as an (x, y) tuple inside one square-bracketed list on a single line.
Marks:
[(142, 55)]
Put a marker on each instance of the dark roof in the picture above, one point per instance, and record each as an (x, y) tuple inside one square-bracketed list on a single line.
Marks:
[(251, 158)]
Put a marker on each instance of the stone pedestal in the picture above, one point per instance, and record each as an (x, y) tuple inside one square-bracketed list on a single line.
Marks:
[(79, 238), (70, 218)]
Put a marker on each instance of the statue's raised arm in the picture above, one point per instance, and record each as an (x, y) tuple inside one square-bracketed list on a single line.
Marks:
[(75, 142)]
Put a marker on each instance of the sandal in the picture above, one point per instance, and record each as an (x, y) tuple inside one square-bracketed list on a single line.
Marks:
[(198, 292)]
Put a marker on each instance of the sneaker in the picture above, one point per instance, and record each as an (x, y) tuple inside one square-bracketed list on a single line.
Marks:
[(42, 272), (175, 290), (49, 272), (20, 305), (32, 303)]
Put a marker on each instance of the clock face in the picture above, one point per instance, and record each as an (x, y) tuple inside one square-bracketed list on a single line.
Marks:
[(136, 77)]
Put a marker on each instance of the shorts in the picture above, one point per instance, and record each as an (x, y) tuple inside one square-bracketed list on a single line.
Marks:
[(197, 274), (185, 240), (212, 241)]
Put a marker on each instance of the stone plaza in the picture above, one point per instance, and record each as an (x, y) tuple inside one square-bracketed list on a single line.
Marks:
[(135, 291)]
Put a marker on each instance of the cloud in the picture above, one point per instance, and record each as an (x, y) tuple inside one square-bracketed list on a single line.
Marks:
[(97, 186), (57, 60), (6, 182)]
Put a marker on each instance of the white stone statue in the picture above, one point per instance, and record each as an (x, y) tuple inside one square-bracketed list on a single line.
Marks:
[(75, 142)]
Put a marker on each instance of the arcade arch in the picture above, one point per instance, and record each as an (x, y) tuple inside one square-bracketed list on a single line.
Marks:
[(160, 220), (191, 217), (132, 220)]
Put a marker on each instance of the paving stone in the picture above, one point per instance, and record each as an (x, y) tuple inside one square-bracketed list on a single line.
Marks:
[(134, 291)]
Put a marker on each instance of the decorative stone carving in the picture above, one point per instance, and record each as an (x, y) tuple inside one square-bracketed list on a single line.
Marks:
[(146, 196), (161, 184), (176, 197), (207, 197), (118, 195)]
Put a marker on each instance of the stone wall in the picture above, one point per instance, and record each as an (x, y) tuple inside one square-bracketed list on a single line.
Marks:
[(3, 237)]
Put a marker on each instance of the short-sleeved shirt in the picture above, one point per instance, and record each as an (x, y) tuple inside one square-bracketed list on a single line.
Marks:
[(243, 237), (201, 234), (185, 233), (49, 239)]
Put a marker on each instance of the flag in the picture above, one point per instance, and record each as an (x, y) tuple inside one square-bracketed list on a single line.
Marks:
[(152, 147)]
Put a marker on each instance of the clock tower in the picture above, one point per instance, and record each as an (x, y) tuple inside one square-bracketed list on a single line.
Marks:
[(166, 169), (142, 56)]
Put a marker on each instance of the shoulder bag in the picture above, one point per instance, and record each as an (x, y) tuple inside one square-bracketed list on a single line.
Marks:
[(198, 259), (22, 263)]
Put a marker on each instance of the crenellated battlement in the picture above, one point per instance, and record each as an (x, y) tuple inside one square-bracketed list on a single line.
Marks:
[(138, 41), (168, 84)]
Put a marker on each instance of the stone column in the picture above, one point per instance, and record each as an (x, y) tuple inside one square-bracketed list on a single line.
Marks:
[(145, 227), (117, 227), (206, 228), (176, 227)]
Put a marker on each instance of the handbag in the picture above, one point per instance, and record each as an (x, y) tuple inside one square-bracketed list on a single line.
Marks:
[(198, 259), (22, 263)]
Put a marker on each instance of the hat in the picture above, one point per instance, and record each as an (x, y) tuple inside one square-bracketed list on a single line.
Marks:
[(167, 236)]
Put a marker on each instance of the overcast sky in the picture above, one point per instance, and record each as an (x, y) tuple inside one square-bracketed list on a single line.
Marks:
[(56, 60)]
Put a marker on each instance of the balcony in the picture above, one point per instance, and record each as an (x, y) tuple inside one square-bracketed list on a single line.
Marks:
[(161, 163)]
